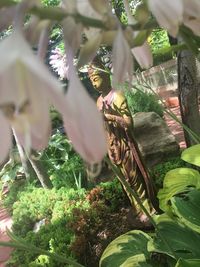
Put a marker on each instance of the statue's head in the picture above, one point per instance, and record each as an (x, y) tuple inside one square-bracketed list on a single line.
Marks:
[(99, 76)]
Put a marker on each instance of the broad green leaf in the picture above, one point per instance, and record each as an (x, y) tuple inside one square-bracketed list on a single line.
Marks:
[(187, 209), (179, 240), (177, 181), (192, 155), (188, 263), (127, 250)]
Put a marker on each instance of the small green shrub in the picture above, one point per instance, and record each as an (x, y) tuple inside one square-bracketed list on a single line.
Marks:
[(43, 203), (16, 188), (73, 219), (111, 193), (54, 237), (140, 101)]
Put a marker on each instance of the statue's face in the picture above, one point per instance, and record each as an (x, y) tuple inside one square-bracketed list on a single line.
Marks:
[(99, 79)]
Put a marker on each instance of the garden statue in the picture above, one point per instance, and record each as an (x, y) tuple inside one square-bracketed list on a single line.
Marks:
[(122, 148)]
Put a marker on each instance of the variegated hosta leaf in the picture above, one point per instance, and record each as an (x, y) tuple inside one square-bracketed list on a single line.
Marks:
[(186, 207), (177, 181), (179, 239), (192, 155), (188, 263), (127, 250)]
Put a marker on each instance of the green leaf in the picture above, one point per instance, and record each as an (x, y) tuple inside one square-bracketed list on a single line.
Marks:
[(188, 263), (187, 209), (189, 38), (192, 155), (177, 181), (141, 37), (127, 250), (181, 241)]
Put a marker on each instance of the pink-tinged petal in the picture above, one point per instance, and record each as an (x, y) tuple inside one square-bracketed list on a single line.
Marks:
[(122, 59), (69, 5), (72, 33), (37, 142), (22, 53), (169, 14), (100, 6), (143, 55), (31, 90), (34, 123), (88, 50), (6, 16), (194, 25), (192, 8), (6, 138), (84, 123), (85, 8)]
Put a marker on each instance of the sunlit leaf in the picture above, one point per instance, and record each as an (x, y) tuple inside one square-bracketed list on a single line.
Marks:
[(180, 241), (187, 209), (177, 181), (192, 155), (127, 250)]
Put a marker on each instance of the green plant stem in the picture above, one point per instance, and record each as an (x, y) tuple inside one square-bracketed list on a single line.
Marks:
[(130, 191), (20, 244)]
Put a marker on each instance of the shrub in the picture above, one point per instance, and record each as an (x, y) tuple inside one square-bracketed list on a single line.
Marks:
[(73, 220)]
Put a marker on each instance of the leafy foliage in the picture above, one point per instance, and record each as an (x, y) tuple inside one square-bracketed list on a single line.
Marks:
[(158, 40), (63, 164), (71, 218), (140, 101), (50, 2)]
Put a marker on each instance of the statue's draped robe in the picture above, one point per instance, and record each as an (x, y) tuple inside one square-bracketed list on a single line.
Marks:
[(123, 151)]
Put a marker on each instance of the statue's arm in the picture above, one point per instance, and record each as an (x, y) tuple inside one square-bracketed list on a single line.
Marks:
[(119, 112)]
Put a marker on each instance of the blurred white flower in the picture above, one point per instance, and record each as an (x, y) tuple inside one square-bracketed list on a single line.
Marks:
[(192, 8), (122, 59), (26, 91), (191, 14), (168, 13), (193, 24), (143, 55), (6, 16)]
